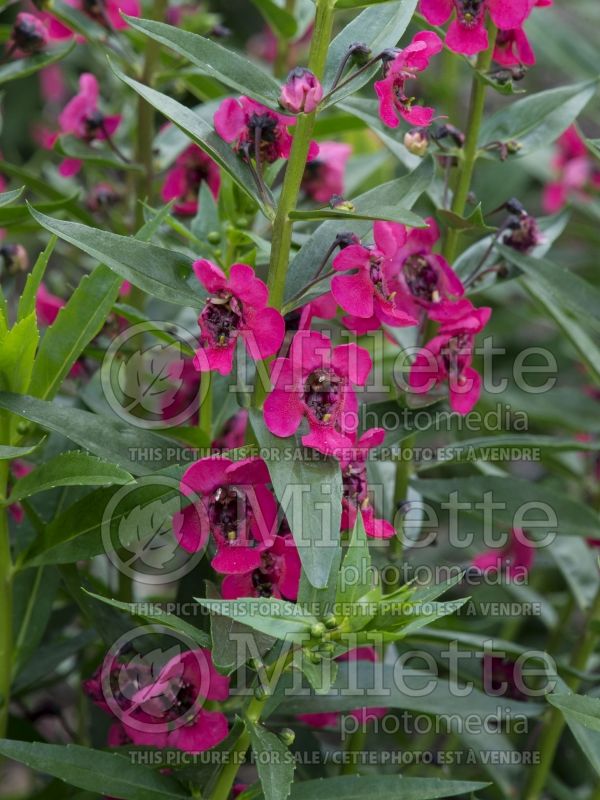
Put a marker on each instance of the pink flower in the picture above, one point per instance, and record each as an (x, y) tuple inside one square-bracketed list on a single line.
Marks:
[(503, 677), (183, 180), (82, 118), (514, 560), (370, 292), (244, 122), (172, 705), (47, 305), (315, 381), (277, 576), (467, 33), (513, 47), (52, 84), (576, 172), (393, 101), (448, 356), (184, 396), (236, 307), (104, 12), (29, 35), (329, 719), (231, 501), (423, 275), (302, 92), (356, 496), (324, 175)]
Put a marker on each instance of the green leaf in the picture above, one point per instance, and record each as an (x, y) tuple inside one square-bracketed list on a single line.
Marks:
[(405, 190), (578, 707), (203, 133), (27, 299), (355, 578), (392, 787), (48, 658), (474, 222), (33, 597), (378, 28), (161, 272), (77, 323), (6, 198), (515, 494), (90, 769), (489, 448), (587, 737), (341, 4), (572, 557), (275, 763), (69, 469), (19, 214), (309, 491), (156, 615), (70, 147), (22, 67), (8, 453), (280, 20), (112, 440), (566, 288), (277, 618), (390, 214), (211, 58), (17, 352), (538, 119)]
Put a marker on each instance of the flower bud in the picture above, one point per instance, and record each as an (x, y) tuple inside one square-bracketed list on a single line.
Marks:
[(301, 92), (416, 142), (29, 34), (340, 204), (318, 630), (360, 53), (14, 257), (330, 621), (287, 736)]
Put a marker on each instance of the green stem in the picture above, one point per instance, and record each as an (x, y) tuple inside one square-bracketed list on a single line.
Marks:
[(145, 122), (6, 633), (282, 225), (404, 469), (252, 713), (555, 722), (205, 412), (469, 155)]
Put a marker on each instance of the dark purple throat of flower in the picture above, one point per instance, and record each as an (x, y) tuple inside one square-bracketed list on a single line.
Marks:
[(469, 11), (355, 486), (221, 319), (27, 36), (455, 355), (262, 129), (421, 278), (323, 395), (94, 124), (267, 576), (228, 511)]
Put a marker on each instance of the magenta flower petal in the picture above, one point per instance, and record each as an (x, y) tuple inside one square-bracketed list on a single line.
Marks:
[(467, 41), (436, 12), (387, 108), (265, 334), (191, 528), (245, 285), (231, 560), (389, 237), (208, 730), (283, 412), (210, 276), (230, 120), (326, 440), (234, 586), (465, 392), (354, 293), (355, 255), (508, 14), (248, 472), (352, 361), (206, 475)]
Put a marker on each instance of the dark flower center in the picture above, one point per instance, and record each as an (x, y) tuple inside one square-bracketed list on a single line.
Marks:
[(322, 394), (93, 123), (228, 509), (264, 128), (469, 11), (266, 577), (524, 234), (455, 353), (355, 484), (222, 317), (421, 278), (28, 36)]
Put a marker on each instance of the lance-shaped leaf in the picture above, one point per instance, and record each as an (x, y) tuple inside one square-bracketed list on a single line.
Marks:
[(281, 21), (277, 618), (203, 133), (116, 441), (309, 490), (214, 60), (577, 707), (161, 272), (275, 763), (22, 67), (90, 769), (69, 469), (392, 787), (6, 198), (539, 119), (32, 284)]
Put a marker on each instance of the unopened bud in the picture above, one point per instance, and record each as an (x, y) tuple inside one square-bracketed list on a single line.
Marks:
[(416, 142), (340, 204), (287, 736), (318, 630), (302, 91), (330, 621), (360, 53), (29, 34)]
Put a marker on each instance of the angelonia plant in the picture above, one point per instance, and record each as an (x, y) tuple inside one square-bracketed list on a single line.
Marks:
[(299, 383)]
